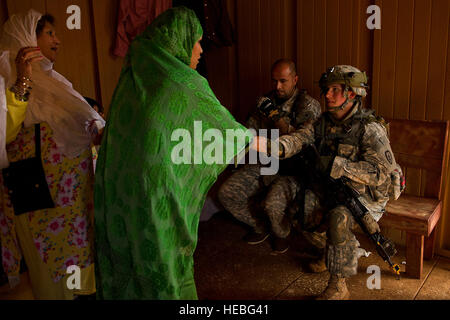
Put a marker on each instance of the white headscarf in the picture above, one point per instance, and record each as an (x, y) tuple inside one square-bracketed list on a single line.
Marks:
[(52, 99)]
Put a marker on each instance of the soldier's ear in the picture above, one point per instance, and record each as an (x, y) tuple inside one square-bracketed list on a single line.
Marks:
[(351, 95)]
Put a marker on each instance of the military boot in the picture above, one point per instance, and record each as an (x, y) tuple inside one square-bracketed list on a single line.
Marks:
[(318, 266), (336, 289)]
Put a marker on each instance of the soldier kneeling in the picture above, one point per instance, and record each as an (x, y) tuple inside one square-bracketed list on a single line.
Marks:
[(352, 144)]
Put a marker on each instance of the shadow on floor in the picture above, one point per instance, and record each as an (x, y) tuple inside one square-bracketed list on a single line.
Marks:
[(227, 268)]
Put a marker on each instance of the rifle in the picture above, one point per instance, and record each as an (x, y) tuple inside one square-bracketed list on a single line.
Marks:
[(336, 192)]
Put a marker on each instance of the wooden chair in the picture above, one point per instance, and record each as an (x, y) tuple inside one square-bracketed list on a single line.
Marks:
[(421, 145)]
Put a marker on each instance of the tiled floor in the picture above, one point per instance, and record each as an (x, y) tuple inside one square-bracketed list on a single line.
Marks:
[(228, 268)]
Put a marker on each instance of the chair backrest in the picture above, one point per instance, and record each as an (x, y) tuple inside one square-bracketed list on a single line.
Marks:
[(420, 147)]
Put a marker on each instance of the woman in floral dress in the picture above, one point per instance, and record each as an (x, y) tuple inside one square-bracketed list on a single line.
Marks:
[(53, 239)]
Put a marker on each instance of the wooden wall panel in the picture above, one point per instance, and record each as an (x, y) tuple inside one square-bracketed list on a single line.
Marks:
[(270, 30), (3, 12), (403, 59), (346, 22), (15, 6), (333, 32), (358, 27), (289, 31), (447, 79), (421, 42), (76, 59), (320, 43), (104, 14), (248, 56), (222, 76), (443, 230), (305, 14), (362, 52), (221, 67), (300, 41), (375, 83), (365, 49), (440, 13), (388, 54), (325, 37)]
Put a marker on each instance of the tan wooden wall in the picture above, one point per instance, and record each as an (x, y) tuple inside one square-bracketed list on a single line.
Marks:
[(308, 32), (407, 61), (411, 79)]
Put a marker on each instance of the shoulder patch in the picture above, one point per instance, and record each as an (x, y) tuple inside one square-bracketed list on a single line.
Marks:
[(388, 155)]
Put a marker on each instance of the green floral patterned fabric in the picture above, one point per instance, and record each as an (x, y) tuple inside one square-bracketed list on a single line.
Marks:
[(147, 207)]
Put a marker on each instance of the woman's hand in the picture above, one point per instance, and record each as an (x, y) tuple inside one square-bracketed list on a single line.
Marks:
[(25, 57), (95, 131), (98, 138), (259, 144)]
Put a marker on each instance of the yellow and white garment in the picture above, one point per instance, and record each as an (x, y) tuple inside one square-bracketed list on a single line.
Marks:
[(61, 236)]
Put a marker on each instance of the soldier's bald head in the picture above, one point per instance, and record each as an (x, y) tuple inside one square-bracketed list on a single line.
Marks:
[(283, 63), (284, 78)]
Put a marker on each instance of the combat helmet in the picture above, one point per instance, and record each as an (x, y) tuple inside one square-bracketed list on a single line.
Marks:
[(351, 77)]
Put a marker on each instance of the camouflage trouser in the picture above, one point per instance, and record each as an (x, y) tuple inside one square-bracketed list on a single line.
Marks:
[(239, 191), (342, 247), (334, 235)]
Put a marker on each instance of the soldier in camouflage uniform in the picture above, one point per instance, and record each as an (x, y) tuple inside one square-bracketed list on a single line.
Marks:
[(352, 143), (276, 192)]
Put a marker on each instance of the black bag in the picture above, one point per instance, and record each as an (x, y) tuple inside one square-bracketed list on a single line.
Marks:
[(26, 183)]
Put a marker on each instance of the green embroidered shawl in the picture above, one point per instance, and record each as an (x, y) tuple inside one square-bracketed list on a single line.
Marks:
[(147, 207)]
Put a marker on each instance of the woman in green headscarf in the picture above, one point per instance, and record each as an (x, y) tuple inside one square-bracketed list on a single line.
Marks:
[(147, 206)]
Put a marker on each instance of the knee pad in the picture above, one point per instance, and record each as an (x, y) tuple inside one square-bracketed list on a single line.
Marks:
[(338, 226)]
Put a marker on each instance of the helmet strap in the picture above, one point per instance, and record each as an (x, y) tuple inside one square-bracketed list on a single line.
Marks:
[(342, 106)]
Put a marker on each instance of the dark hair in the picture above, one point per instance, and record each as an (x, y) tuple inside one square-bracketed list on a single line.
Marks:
[(289, 62), (41, 23), (93, 103)]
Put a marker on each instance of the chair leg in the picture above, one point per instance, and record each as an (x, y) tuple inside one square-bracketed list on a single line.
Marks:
[(428, 253), (414, 255)]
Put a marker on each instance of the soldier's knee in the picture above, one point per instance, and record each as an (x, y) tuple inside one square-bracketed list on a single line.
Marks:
[(276, 200), (224, 194), (338, 226), (272, 209)]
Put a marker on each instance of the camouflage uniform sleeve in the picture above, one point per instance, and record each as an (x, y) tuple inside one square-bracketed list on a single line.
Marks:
[(310, 111), (293, 143), (377, 159)]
